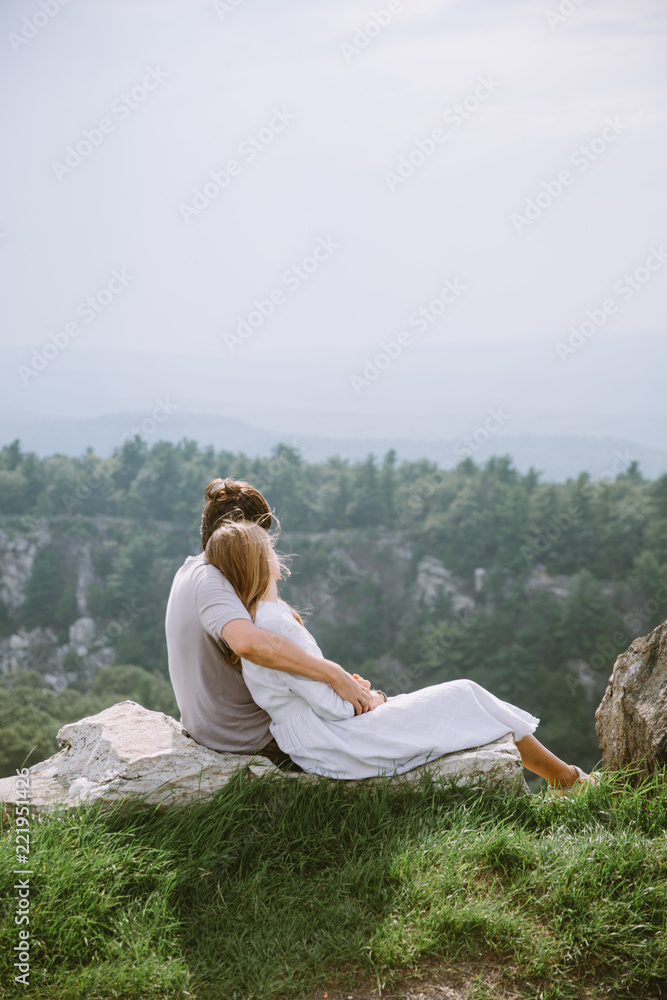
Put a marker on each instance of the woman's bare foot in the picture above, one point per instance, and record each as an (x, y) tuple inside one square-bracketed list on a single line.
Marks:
[(583, 783), (539, 760), (568, 777)]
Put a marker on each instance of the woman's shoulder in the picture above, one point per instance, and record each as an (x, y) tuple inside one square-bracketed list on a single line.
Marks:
[(272, 610), (277, 616)]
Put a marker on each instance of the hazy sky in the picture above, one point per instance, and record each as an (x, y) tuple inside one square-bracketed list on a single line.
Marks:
[(316, 103)]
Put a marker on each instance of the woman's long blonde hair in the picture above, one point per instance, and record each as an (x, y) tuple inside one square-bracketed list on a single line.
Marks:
[(240, 550)]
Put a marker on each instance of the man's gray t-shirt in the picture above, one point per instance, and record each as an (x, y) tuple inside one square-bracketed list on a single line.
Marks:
[(215, 704)]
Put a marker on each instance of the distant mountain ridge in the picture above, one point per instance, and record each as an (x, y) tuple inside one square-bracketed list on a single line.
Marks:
[(556, 457)]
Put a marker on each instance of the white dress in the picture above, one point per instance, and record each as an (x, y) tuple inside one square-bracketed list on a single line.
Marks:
[(321, 733)]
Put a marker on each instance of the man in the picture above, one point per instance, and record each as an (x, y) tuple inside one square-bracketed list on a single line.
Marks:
[(204, 615)]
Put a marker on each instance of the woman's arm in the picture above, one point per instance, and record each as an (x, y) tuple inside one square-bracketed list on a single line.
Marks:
[(320, 696), (222, 615), (322, 699), (281, 652)]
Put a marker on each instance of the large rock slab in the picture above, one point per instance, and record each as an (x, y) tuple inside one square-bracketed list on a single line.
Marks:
[(128, 753), (495, 765), (131, 755), (631, 720)]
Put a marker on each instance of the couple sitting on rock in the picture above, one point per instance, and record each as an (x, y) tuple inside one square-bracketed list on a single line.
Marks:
[(249, 677)]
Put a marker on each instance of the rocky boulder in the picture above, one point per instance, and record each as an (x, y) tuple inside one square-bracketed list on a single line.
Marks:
[(127, 752), (631, 720), (495, 765), (130, 754)]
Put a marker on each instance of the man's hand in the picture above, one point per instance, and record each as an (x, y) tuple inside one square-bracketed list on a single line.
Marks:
[(351, 690), (375, 696)]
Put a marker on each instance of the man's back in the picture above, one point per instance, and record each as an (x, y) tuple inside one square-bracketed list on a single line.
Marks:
[(215, 704)]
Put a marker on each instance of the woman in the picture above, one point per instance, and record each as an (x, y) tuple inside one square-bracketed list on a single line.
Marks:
[(320, 731)]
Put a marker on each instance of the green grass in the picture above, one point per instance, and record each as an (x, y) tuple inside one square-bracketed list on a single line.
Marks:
[(281, 889)]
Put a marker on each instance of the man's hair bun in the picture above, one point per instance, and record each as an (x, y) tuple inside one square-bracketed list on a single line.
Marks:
[(232, 500)]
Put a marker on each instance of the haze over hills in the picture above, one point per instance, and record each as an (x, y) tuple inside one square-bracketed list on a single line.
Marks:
[(611, 388), (559, 420), (556, 458)]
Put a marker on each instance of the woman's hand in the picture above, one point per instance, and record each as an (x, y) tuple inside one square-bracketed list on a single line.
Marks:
[(362, 681), (377, 698)]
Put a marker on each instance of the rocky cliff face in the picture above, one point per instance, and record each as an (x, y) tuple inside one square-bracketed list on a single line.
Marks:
[(332, 568), (41, 648), (17, 555)]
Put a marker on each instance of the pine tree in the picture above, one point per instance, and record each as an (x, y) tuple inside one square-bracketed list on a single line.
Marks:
[(44, 590)]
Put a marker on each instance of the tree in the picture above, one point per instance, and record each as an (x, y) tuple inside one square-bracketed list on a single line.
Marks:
[(13, 491), (7, 623), (44, 590), (126, 681), (589, 628), (367, 508)]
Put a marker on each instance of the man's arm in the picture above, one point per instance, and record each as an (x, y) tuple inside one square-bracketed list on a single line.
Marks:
[(269, 649)]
